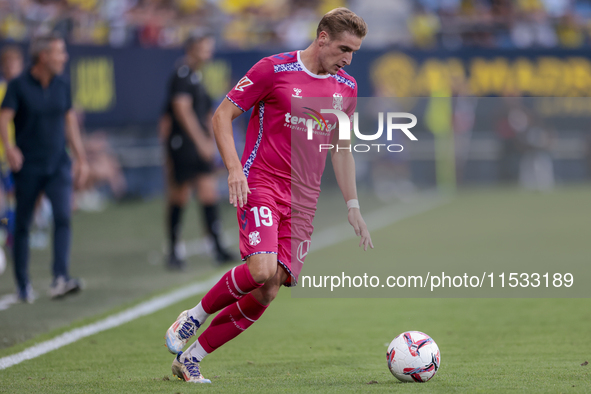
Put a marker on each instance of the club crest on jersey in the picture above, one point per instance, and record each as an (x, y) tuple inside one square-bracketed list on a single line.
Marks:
[(254, 238), (337, 101), (244, 82), (297, 93)]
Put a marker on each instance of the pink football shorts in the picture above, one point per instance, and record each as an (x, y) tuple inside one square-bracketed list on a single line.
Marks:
[(269, 226)]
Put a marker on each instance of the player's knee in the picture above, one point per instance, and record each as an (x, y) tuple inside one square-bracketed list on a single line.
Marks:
[(262, 267), (179, 196), (263, 273), (207, 197), (207, 190)]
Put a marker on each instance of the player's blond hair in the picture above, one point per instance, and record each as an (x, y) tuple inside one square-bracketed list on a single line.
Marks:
[(342, 19)]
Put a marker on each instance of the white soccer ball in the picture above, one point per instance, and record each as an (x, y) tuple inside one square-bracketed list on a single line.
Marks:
[(413, 356)]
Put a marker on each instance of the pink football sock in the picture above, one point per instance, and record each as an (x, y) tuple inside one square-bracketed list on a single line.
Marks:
[(234, 285), (230, 322)]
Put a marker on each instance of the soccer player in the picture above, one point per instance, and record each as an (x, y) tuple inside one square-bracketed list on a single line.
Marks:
[(190, 148), (276, 185)]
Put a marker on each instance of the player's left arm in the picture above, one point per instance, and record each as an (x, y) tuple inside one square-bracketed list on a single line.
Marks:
[(344, 169), (81, 169)]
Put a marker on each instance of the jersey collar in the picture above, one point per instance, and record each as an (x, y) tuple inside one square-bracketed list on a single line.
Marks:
[(310, 73)]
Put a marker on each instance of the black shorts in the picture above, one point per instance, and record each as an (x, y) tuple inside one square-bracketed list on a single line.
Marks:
[(186, 162)]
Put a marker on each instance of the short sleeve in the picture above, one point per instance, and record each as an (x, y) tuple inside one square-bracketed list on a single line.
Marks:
[(254, 86), (181, 83), (11, 96)]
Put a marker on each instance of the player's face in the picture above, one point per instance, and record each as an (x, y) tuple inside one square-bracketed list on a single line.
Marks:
[(338, 52), (55, 57), (12, 66)]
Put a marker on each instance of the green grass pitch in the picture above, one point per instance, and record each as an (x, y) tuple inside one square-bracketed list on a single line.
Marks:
[(339, 345)]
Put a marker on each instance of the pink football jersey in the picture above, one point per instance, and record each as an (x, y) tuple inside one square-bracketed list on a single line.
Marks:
[(283, 93)]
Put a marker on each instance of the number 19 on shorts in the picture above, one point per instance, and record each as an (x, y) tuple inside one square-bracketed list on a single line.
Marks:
[(262, 215)]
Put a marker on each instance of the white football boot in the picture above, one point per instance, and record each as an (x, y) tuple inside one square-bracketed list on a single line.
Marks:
[(180, 332), (187, 368)]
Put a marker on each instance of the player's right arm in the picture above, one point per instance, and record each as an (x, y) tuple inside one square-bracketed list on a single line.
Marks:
[(255, 86), (224, 137)]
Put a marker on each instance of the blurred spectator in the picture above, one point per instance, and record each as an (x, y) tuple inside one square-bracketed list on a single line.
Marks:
[(513, 119), (103, 170), (532, 26), (464, 117), (569, 33), (387, 21), (536, 168), (11, 65), (525, 145), (287, 23), (11, 62), (424, 27), (299, 29)]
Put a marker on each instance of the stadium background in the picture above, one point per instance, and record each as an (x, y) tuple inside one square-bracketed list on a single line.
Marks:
[(121, 55)]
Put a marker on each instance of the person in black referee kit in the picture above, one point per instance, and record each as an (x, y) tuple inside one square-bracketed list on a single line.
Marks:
[(190, 148), (39, 102)]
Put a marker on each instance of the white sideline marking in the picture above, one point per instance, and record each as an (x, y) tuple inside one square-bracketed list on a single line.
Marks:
[(143, 309), (378, 219)]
